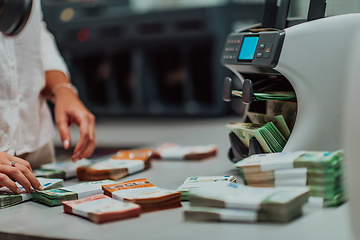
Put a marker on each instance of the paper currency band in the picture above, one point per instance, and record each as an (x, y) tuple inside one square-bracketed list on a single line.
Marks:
[(13, 164), (62, 85)]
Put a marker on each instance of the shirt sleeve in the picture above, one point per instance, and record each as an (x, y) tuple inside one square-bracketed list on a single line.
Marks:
[(50, 55)]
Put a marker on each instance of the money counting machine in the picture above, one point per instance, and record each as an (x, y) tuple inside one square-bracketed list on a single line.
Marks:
[(312, 56)]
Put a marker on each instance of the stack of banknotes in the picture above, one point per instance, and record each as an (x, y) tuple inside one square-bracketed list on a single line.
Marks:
[(121, 164), (321, 172), (287, 109), (64, 170), (55, 197), (199, 182), (100, 208), (144, 193), (8, 198), (174, 151), (268, 135), (236, 202)]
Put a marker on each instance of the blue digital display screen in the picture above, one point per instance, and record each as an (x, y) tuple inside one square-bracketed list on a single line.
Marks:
[(248, 48)]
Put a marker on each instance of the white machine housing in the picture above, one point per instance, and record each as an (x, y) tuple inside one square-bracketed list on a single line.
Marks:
[(314, 57)]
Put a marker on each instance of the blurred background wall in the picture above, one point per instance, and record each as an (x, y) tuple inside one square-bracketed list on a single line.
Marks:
[(155, 57)]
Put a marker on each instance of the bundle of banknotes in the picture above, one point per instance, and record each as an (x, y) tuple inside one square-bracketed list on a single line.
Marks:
[(321, 172), (55, 197), (100, 208), (8, 198), (121, 164), (63, 169), (268, 135), (144, 193), (286, 109), (236, 202), (199, 182), (171, 151)]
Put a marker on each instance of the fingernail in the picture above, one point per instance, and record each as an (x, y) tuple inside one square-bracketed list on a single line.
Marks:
[(18, 191), (41, 188), (66, 144), (77, 154)]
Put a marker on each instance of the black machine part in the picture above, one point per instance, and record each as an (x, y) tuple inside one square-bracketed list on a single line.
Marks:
[(239, 151), (14, 14)]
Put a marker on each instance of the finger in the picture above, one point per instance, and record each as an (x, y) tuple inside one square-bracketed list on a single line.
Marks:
[(78, 155), (20, 161), (32, 179), (84, 137), (7, 182), (88, 151), (15, 173), (91, 145), (64, 132)]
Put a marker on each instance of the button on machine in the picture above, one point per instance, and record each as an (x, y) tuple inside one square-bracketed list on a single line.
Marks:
[(268, 48)]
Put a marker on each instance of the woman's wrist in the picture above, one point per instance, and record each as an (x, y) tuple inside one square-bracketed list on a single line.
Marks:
[(65, 89)]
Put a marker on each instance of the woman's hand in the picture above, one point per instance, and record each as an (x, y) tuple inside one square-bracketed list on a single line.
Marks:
[(21, 172), (69, 109)]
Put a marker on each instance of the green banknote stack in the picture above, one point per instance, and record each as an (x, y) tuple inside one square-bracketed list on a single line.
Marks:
[(198, 182), (268, 135), (322, 172), (8, 198), (49, 173), (285, 108), (55, 197), (236, 202)]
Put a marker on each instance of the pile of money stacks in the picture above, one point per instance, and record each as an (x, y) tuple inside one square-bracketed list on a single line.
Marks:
[(123, 163), (100, 208), (236, 202), (321, 172), (144, 193), (55, 197), (198, 182), (175, 151), (8, 198)]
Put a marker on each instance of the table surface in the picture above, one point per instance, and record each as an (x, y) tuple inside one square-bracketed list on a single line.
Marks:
[(32, 219)]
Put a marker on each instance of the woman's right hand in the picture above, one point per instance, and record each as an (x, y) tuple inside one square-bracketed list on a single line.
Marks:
[(21, 172)]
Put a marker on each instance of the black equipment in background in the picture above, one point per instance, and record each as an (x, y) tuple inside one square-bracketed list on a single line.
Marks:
[(154, 63), (14, 15)]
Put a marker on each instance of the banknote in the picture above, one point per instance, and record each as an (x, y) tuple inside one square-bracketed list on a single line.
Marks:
[(287, 109), (278, 121)]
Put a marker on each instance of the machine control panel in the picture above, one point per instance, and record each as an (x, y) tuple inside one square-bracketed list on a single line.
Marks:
[(260, 49)]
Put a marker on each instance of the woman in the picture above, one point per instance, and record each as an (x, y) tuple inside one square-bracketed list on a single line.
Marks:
[(31, 71)]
